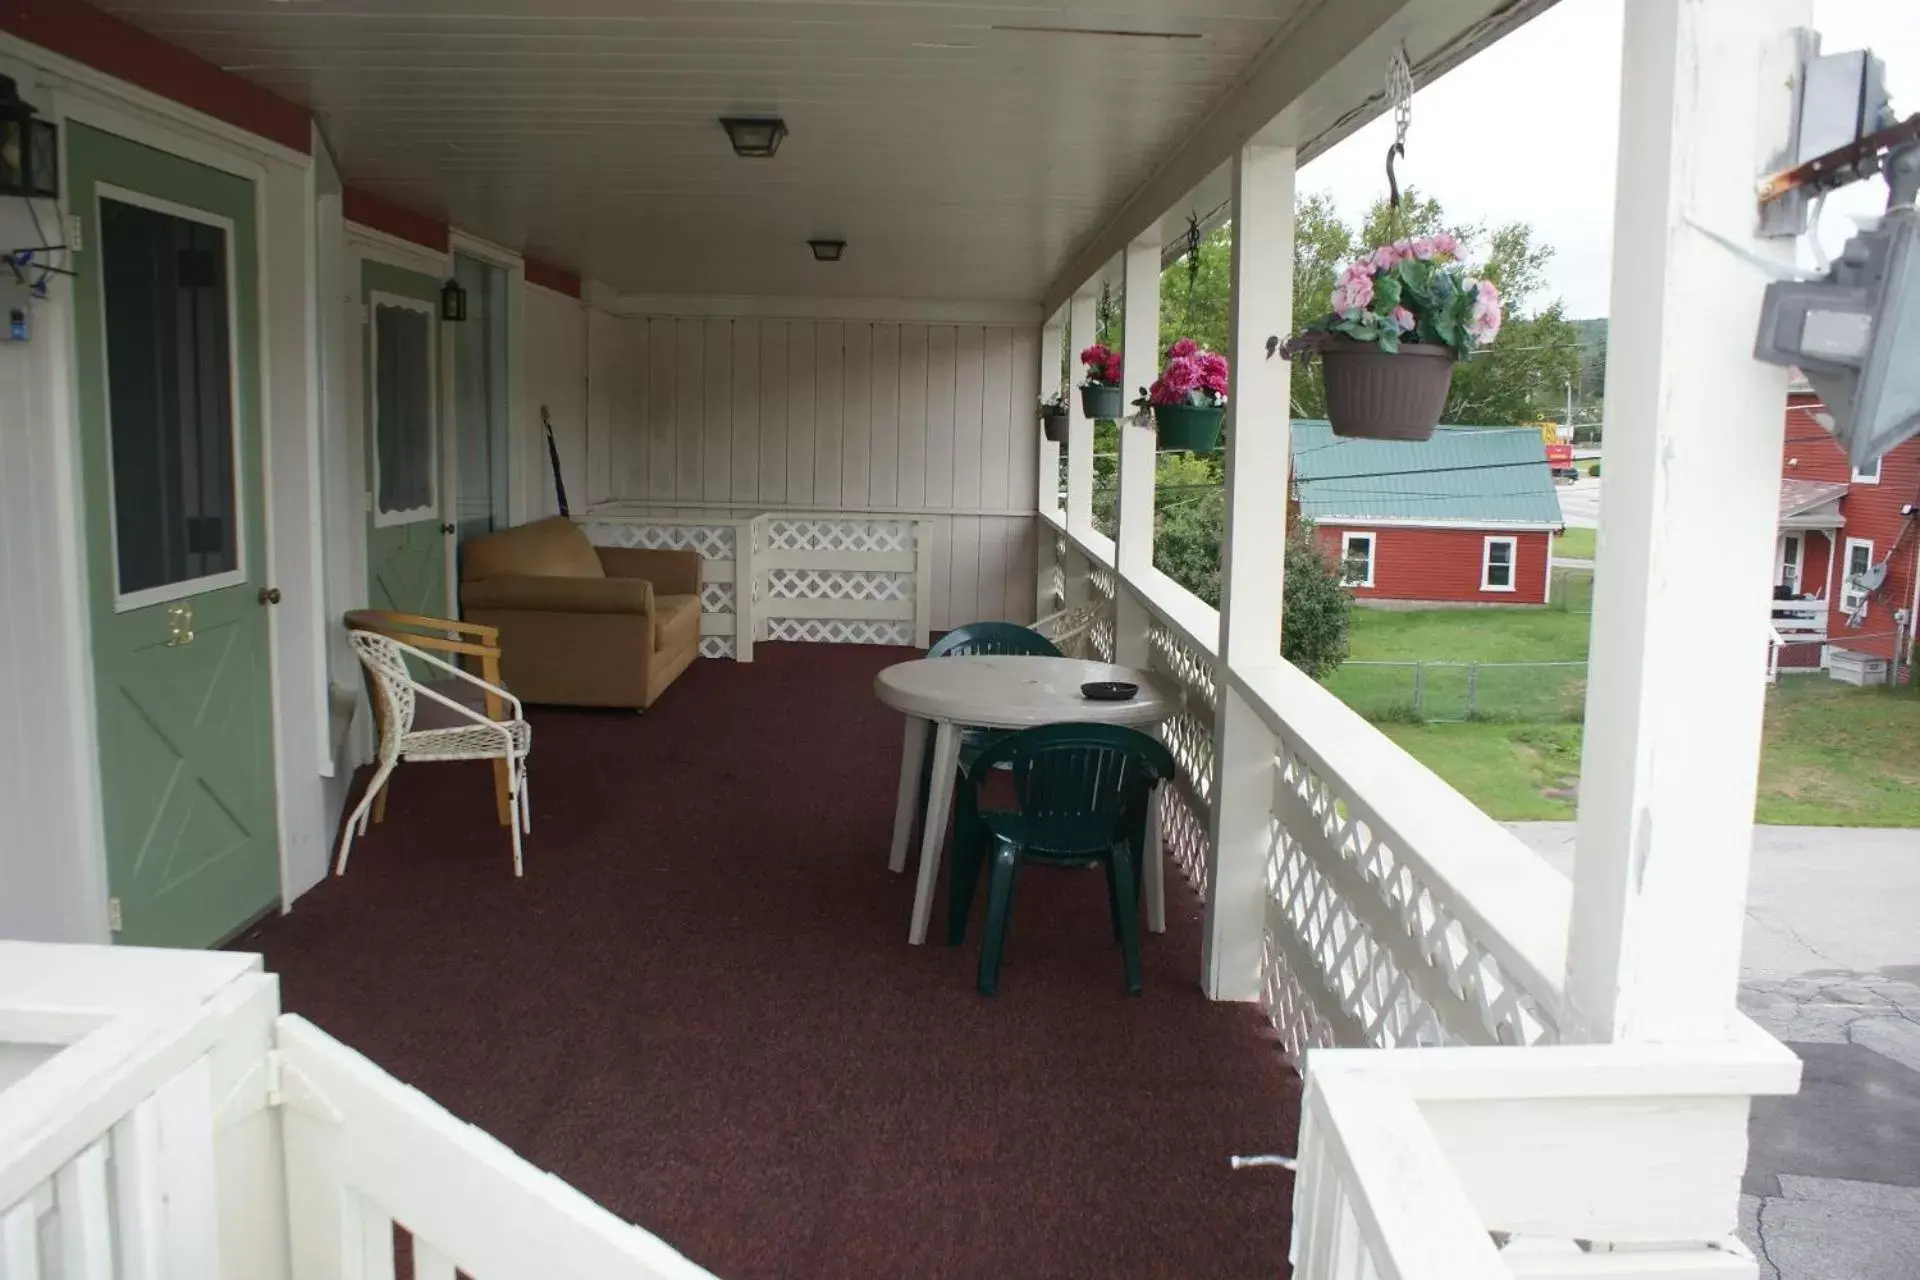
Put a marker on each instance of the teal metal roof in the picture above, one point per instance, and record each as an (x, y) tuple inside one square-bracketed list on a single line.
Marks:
[(1464, 475)]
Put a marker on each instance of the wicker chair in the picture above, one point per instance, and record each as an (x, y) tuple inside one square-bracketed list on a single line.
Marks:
[(471, 735)]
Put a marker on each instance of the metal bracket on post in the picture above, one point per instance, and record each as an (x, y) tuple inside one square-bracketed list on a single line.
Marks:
[(1842, 125)]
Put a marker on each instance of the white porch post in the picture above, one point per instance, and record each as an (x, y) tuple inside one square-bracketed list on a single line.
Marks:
[(1252, 560), (1080, 326), (1692, 450), (1140, 362), (1052, 381)]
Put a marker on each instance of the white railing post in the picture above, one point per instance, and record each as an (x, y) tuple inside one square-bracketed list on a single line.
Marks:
[(1252, 560), (1692, 452), (748, 537), (1053, 381), (1133, 506), (1081, 317)]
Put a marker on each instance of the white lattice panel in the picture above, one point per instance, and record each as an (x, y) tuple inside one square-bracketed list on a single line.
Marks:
[(840, 631), (1360, 951), (837, 584), (1185, 813), (712, 541), (808, 534), (1068, 629), (716, 646), (716, 597)]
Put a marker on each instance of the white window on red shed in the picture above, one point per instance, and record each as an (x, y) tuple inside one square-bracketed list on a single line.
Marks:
[(1858, 559), (1497, 557), (1869, 474), (1356, 559)]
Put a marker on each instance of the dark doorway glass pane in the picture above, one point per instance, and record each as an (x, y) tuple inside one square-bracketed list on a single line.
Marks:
[(403, 407), (170, 396)]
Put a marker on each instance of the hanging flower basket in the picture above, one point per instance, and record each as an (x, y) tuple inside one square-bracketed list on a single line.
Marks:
[(1054, 425), (1373, 395), (1100, 394), (1188, 399), (1402, 315), (1195, 428)]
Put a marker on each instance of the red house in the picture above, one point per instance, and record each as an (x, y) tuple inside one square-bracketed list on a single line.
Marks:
[(1467, 517), (1847, 560)]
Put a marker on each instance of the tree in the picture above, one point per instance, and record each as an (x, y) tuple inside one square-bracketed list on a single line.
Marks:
[(1315, 606)]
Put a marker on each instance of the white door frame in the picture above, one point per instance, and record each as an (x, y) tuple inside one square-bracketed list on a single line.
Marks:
[(1798, 541), (69, 92)]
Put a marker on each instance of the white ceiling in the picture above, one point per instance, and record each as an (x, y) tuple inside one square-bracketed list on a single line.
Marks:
[(958, 157)]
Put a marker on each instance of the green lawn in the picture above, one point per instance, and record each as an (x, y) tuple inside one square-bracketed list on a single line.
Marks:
[(1468, 635), (1574, 544), (1833, 755)]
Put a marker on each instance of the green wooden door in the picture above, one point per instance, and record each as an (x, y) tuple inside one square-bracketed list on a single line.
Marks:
[(406, 537), (166, 342)]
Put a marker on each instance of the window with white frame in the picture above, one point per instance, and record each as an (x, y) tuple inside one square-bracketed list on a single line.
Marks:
[(1496, 564), (405, 460), (1855, 561), (1869, 474), (1356, 559)]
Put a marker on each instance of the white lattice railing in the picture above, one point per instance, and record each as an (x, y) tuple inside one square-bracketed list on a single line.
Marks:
[(724, 544), (1186, 808), (843, 578), (1398, 914), (834, 577)]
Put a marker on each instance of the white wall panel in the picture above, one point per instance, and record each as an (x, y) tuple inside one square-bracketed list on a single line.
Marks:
[(769, 412), (556, 346)]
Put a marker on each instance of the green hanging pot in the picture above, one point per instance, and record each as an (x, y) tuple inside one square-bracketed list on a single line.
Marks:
[(1054, 425), (1184, 426), (1102, 402)]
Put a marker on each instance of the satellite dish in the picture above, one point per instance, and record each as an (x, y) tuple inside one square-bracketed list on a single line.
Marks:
[(1874, 577)]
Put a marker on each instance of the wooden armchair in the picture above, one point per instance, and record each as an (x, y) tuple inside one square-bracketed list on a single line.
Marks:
[(480, 654)]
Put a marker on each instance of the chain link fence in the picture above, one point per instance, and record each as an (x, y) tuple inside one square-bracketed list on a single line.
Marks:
[(1454, 692), (1571, 590)]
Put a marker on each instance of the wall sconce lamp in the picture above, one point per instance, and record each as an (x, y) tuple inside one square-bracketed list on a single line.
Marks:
[(827, 250), (453, 302)]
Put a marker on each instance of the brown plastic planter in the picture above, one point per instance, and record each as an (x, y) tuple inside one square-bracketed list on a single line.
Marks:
[(1372, 395), (1055, 426)]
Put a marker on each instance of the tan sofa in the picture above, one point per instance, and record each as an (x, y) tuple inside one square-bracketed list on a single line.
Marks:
[(582, 625)]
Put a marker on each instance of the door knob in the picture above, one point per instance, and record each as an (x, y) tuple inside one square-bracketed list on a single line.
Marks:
[(269, 595), (446, 528)]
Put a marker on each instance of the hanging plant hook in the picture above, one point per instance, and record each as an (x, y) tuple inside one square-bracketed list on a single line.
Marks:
[(1393, 183)]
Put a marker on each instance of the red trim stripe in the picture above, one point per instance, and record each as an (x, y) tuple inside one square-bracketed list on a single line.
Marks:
[(548, 276), (370, 210), (79, 31)]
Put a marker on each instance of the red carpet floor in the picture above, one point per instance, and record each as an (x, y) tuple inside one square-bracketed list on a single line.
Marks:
[(700, 1008)]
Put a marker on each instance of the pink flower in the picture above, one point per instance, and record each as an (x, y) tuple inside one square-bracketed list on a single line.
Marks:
[(1402, 250), (1403, 319), (1385, 258), (1483, 325), (1181, 375), (1182, 347), (1213, 372), (1354, 294), (1110, 371), (1444, 243), (1489, 295)]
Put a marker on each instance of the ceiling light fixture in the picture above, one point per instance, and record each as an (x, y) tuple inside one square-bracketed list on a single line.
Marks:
[(827, 250), (754, 137)]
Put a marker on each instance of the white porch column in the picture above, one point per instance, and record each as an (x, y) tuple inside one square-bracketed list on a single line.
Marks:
[(1140, 363), (1692, 450), (1252, 560), (1080, 328), (1053, 380)]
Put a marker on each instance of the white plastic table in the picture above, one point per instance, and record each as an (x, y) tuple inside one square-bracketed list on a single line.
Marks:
[(1001, 692)]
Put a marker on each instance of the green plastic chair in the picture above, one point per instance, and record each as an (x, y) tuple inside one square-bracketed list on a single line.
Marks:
[(1082, 796), (979, 638)]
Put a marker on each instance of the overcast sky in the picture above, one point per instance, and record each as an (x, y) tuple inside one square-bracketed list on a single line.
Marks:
[(1545, 156)]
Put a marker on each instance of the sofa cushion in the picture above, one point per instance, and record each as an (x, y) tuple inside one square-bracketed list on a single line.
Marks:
[(676, 622), (552, 548)]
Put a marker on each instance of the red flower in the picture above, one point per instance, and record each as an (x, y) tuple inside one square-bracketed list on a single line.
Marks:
[(1213, 372), (1183, 347), (1103, 365), (1111, 370)]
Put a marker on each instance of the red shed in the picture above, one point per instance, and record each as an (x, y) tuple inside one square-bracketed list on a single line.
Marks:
[(1467, 517)]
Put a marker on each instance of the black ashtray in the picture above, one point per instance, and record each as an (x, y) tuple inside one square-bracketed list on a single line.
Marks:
[(1108, 690)]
